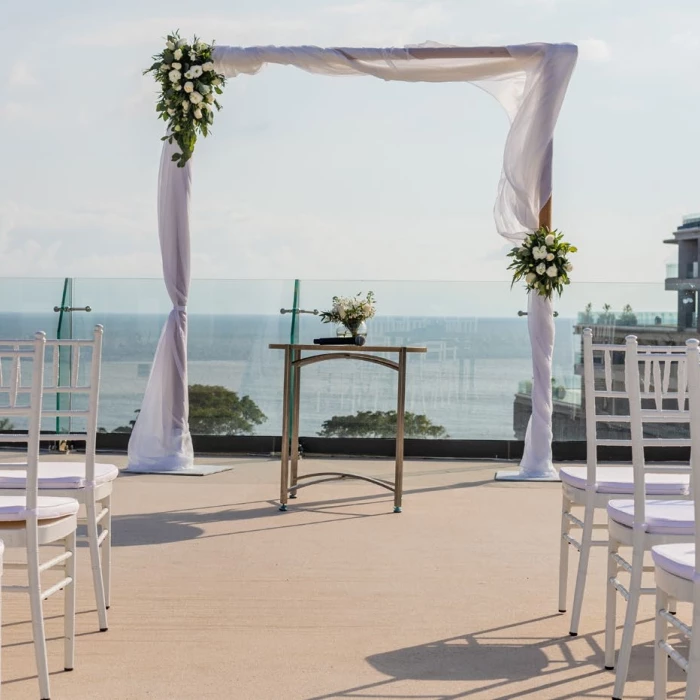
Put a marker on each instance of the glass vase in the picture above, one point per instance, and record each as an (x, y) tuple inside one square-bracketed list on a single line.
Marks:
[(351, 330)]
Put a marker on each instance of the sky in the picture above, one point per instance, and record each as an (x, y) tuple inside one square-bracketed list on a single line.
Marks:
[(341, 178)]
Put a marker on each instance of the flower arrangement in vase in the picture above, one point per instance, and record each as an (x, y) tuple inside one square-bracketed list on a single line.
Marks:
[(542, 261), (350, 313)]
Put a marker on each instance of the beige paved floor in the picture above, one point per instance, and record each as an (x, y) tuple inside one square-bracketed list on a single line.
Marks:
[(219, 595)]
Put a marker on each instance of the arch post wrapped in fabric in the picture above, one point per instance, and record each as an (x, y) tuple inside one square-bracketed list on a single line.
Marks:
[(529, 81)]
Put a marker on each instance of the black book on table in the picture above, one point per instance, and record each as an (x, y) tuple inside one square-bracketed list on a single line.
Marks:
[(357, 340)]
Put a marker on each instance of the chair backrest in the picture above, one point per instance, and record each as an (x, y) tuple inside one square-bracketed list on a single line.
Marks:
[(82, 360), (693, 372), (606, 394), (661, 384), (21, 397)]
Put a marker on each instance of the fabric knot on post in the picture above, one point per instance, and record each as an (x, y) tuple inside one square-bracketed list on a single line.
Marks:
[(180, 308)]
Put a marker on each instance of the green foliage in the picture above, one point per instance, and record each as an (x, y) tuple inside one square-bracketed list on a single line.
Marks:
[(215, 410), (627, 317), (607, 318), (380, 424), (6, 424), (542, 262), (588, 313), (188, 83)]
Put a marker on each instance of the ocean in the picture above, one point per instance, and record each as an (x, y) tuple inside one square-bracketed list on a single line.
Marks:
[(466, 382)]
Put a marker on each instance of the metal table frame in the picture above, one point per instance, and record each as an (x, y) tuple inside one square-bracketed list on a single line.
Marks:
[(293, 362)]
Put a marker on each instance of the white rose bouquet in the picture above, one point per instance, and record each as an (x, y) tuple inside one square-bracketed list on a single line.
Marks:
[(188, 83), (351, 312), (542, 261)]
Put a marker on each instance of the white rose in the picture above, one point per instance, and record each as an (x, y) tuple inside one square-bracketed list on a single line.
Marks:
[(530, 277), (568, 267), (201, 46), (177, 127), (540, 269), (539, 252), (174, 76), (549, 239), (552, 271), (210, 97), (188, 75), (171, 111), (182, 42), (550, 257), (164, 67), (195, 98), (205, 89), (341, 312), (197, 113), (196, 71), (208, 66), (178, 54), (185, 106), (189, 87), (170, 45), (176, 65), (367, 309), (216, 81), (177, 87), (193, 56)]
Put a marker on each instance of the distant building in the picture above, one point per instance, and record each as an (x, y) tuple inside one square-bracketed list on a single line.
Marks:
[(684, 277)]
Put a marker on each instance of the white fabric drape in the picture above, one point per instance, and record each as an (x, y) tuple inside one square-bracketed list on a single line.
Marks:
[(529, 81), (160, 440)]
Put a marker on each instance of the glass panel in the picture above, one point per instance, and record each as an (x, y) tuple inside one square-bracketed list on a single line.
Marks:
[(231, 324), (27, 305)]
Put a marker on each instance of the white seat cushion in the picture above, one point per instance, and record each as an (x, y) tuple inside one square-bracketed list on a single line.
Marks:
[(58, 475), (14, 508), (621, 480), (662, 517), (678, 558)]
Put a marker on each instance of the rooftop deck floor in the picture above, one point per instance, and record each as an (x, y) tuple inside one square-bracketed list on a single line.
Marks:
[(217, 594)]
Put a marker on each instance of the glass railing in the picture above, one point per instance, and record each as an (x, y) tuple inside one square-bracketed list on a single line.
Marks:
[(474, 382)]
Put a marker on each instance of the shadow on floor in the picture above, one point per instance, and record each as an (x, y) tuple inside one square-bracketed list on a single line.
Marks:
[(489, 663), (187, 524)]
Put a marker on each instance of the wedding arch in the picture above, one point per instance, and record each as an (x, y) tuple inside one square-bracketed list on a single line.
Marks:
[(529, 81)]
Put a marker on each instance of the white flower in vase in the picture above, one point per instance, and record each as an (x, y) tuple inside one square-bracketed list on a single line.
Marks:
[(174, 76), (568, 267), (178, 54), (170, 45), (549, 239), (176, 65), (541, 269), (550, 257), (196, 71), (208, 66), (530, 278), (552, 271)]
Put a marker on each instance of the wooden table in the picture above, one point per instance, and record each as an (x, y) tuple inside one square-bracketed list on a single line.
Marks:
[(293, 362)]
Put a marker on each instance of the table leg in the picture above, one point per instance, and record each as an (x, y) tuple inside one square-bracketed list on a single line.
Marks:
[(284, 450), (400, 415), (296, 371)]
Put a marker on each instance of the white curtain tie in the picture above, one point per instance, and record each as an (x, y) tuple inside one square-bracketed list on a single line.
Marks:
[(180, 308)]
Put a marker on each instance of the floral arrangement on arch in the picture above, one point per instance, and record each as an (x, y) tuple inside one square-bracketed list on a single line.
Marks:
[(188, 85), (542, 262), (350, 311)]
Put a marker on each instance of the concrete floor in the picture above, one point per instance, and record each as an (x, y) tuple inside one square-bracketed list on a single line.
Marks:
[(216, 594)]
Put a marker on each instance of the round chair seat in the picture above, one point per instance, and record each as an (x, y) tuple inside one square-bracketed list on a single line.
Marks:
[(58, 475), (678, 558), (662, 517), (621, 480), (14, 508)]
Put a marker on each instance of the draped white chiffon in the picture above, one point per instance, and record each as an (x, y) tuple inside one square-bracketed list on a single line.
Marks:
[(529, 81)]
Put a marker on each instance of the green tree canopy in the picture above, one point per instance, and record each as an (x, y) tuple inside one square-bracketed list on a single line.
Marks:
[(216, 410), (381, 424)]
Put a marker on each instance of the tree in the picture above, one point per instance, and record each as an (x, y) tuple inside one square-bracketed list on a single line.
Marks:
[(607, 318), (627, 317), (381, 424), (216, 410), (6, 424), (587, 313)]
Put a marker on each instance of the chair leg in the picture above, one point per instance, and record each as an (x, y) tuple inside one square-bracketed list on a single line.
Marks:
[(107, 551), (582, 573), (611, 607), (564, 552), (623, 658), (95, 563), (35, 602), (693, 688), (660, 656), (69, 607)]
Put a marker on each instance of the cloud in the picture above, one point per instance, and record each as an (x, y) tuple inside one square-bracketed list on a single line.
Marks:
[(21, 75), (594, 50)]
